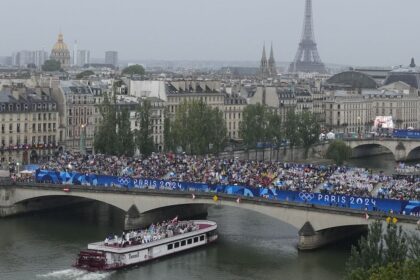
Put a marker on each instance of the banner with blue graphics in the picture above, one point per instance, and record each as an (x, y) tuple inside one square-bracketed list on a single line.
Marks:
[(322, 199)]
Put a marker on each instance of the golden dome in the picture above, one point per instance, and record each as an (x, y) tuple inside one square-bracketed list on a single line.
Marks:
[(60, 45)]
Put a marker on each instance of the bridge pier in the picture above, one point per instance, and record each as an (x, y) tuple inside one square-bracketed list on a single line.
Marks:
[(309, 239), (134, 219)]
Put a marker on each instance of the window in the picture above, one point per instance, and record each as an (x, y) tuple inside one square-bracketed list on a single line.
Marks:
[(201, 237), (189, 241), (195, 239), (170, 246), (176, 244), (183, 242)]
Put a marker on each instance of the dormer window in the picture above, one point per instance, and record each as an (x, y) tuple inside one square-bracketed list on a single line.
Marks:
[(10, 107), (17, 107), (39, 106), (26, 107)]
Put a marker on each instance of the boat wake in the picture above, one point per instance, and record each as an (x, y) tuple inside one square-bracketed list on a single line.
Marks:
[(74, 274)]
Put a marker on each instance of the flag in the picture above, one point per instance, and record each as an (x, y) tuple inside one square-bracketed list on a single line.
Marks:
[(394, 220), (174, 220), (366, 216), (215, 198), (238, 200), (193, 196), (388, 220)]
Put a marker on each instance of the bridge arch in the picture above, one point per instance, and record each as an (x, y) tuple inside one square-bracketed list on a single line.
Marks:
[(414, 153), (362, 149)]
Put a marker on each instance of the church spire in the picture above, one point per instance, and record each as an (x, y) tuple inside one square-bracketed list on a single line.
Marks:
[(264, 63), (272, 63), (412, 64), (271, 53)]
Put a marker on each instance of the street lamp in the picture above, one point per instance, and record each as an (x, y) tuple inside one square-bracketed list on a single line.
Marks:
[(17, 166)]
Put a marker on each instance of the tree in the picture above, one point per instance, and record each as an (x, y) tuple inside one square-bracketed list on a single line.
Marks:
[(338, 151), (381, 254), (51, 65), (167, 137), (125, 135), (291, 131), (308, 130), (84, 74), (414, 246), (144, 138), (106, 140), (409, 270), (198, 129), (133, 70), (274, 130), (367, 253), (253, 128), (396, 244), (217, 130)]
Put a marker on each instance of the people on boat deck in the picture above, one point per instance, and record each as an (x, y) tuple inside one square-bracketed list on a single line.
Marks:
[(152, 233)]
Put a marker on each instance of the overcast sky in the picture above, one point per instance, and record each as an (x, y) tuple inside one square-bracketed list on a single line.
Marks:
[(354, 32)]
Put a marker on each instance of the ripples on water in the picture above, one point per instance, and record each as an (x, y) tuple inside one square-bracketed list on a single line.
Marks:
[(74, 274), (251, 246)]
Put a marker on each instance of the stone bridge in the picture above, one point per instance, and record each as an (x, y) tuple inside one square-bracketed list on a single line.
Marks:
[(402, 149), (316, 225)]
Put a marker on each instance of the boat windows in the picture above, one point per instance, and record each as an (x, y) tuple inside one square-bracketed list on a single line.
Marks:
[(170, 246), (176, 244), (183, 242), (201, 237), (195, 239), (189, 241)]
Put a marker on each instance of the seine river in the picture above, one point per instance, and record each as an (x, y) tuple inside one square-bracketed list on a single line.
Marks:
[(251, 246)]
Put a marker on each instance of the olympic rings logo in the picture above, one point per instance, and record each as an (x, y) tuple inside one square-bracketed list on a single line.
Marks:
[(306, 196), (124, 181)]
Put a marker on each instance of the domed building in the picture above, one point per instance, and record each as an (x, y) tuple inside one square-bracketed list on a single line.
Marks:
[(60, 52)]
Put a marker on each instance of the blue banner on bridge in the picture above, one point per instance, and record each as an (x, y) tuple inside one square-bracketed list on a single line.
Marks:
[(322, 199)]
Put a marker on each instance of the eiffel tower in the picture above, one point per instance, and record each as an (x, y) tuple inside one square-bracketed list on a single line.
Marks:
[(307, 58)]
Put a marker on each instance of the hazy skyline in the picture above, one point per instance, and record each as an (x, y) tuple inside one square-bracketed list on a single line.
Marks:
[(353, 32)]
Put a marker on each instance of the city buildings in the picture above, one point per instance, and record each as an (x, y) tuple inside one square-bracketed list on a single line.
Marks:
[(234, 105), (77, 105), (111, 57), (27, 58), (29, 124), (82, 58), (182, 91), (132, 104), (354, 100)]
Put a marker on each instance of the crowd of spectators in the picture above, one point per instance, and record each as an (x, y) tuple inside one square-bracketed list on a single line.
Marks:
[(406, 169), (213, 170)]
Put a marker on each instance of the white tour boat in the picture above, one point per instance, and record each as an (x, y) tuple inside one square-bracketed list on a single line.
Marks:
[(138, 246)]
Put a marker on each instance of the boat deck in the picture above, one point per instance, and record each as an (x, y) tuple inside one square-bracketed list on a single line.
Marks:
[(203, 227)]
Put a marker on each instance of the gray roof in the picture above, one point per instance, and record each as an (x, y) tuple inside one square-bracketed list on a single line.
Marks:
[(353, 79), (75, 87)]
